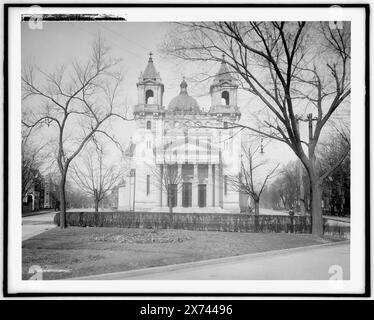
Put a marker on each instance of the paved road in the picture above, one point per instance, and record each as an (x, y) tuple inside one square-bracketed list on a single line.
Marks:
[(300, 264), (37, 222), (34, 225)]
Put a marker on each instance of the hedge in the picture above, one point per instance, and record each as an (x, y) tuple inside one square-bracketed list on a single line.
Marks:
[(199, 221)]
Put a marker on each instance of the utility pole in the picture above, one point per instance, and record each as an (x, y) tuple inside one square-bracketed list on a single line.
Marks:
[(302, 199), (301, 186), (310, 120)]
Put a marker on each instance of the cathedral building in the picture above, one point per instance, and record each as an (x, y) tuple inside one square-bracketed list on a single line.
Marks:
[(182, 156)]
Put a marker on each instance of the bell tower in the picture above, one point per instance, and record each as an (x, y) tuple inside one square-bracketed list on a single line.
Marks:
[(149, 110), (150, 87), (224, 89)]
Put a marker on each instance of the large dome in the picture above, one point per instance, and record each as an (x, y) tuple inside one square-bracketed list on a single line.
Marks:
[(183, 102)]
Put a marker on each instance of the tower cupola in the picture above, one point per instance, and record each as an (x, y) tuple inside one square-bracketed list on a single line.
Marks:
[(224, 89), (150, 86)]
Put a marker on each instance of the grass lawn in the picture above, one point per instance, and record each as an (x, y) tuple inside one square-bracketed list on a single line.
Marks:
[(87, 251)]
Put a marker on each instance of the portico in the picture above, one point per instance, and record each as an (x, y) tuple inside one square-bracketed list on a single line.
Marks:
[(197, 186)]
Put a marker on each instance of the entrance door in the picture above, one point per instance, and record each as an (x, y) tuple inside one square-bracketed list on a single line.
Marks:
[(172, 195), (187, 194), (202, 195)]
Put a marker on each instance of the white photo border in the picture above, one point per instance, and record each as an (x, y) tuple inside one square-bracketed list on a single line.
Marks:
[(357, 285)]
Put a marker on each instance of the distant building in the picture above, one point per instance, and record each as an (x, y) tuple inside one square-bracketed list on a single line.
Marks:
[(188, 140), (34, 199), (32, 202), (50, 194)]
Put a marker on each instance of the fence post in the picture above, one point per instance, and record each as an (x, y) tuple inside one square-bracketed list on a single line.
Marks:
[(292, 225), (256, 223), (292, 214)]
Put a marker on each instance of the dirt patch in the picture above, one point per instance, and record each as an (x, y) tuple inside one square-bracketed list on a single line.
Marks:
[(145, 236)]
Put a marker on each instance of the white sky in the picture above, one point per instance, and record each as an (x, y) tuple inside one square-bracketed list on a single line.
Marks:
[(60, 42)]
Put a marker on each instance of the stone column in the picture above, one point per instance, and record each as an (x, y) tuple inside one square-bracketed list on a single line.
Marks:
[(164, 192), (195, 186), (179, 198), (123, 198), (209, 187), (214, 183), (162, 187), (217, 186)]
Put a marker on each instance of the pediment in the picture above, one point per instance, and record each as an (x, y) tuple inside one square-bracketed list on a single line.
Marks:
[(191, 146)]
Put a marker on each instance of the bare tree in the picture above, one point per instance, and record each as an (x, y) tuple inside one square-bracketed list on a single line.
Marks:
[(167, 179), (335, 153), (77, 102), (287, 185), (31, 162), (94, 176), (249, 181), (290, 67)]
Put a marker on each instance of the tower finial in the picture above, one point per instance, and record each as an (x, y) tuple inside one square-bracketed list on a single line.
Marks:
[(150, 57), (183, 85)]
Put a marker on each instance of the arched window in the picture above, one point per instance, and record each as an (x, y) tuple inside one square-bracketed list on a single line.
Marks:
[(149, 97), (149, 124), (225, 98)]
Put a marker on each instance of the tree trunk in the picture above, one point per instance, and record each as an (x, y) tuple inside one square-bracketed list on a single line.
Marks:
[(283, 201), (63, 224), (315, 186), (96, 205), (302, 206), (316, 208), (257, 206)]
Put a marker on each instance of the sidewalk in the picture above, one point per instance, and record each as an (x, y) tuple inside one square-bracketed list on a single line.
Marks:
[(35, 224), (36, 213)]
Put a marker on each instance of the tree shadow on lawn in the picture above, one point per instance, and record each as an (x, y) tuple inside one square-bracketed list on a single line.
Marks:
[(87, 251)]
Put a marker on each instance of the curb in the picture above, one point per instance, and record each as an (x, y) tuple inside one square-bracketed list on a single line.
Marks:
[(37, 213), (336, 219), (173, 267)]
